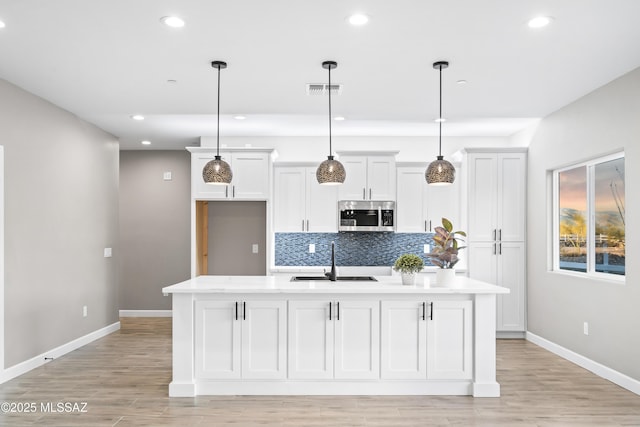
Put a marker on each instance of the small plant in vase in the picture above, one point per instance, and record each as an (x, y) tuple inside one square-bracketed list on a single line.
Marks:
[(445, 251), (408, 265)]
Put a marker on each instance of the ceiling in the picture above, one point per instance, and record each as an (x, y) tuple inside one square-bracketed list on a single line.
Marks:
[(106, 60)]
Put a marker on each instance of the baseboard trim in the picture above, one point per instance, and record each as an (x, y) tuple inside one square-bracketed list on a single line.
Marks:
[(510, 335), (146, 313), (599, 369), (39, 360)]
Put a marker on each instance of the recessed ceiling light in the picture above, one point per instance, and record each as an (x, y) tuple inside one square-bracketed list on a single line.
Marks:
[(358, 19), (239, 117), (2, 25), (172, 81), (462, 82), (338, 118), (145, 142), (440, 120), (137, 117), (539, 21), (172, 21)]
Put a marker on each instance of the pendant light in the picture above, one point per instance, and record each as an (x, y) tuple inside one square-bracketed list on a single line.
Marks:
[(440, 172), (331, 171), (217, 171)]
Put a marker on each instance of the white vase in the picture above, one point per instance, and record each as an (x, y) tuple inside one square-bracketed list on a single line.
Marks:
[(408, 279), (445, 277)]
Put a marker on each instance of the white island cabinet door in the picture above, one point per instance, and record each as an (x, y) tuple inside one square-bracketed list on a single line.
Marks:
[(217, 340), (264, 346), (450, 340), (403, 340), (310, 354), (357, 339)]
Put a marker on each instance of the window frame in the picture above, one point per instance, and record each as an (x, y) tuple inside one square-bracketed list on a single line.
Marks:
[(590, 217)]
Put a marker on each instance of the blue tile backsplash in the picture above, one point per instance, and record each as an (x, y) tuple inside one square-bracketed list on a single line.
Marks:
[(352, 249)]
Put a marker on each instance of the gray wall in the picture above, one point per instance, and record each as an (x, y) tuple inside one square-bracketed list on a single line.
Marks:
[(234, 227), (61, 211), (602, 122), (155, 220)]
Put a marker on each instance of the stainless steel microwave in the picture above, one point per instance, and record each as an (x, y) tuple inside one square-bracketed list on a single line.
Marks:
[(358, 215)]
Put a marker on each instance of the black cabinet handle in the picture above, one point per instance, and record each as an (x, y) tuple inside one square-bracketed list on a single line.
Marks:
[(329, 310), (500, 248), (431, 312), (234, 191), (494, 234), (236, 310), (338, 312), (370, 197), (500, 234), (494, 248), (424, 310), (364, 194), (244, 310)]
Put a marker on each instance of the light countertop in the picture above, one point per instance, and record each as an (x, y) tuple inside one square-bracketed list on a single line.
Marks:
[(282, 284)]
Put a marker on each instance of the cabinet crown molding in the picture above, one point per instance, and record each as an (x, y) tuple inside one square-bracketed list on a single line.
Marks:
[(366, 153)]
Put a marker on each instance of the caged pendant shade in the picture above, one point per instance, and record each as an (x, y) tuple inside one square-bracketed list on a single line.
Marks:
[(217, 171), (440, 172), (331, 171)]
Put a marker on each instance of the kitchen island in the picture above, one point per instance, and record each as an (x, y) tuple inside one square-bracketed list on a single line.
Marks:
[(267, 335)]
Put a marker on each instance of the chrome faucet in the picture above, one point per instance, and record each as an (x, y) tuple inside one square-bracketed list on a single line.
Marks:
[(332, 274)]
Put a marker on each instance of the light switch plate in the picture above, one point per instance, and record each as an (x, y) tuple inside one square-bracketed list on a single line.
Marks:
[(312, 248), (427, 249), (166, 176), (254, 248), (108, 252)]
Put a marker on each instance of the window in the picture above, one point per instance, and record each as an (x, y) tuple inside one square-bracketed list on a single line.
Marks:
[(589, 225)]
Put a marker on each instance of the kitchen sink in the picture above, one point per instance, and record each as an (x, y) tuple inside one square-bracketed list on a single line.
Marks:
[(339, 278)]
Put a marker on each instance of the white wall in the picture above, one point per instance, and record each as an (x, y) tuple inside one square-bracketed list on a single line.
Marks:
[(602, 122), (61, 211), (316, 149)]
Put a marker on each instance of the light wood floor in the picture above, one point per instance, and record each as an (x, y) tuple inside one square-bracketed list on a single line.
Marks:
[(123, 379)]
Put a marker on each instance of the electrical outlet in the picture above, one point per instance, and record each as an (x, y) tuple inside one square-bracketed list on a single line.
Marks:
[(166, 176), (254, 248), (108, 252), (312, 248), (84, 311), (427, 249), (585, 328)]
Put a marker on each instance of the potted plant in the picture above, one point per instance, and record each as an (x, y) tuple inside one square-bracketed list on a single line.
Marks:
[(408, 265), (445, 251)]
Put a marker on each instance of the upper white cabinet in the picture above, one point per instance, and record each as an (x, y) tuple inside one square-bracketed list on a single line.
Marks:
[(334, 339), (496, 235), (300, 203), (370, 176), (240, 339), (251, 172), (497, 193), (420, 207)]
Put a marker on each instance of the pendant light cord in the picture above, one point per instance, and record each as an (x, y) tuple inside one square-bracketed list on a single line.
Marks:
[(440, 117), (330, 150), (218, 128)]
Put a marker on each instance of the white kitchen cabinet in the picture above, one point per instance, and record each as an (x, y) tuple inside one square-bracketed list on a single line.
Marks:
[(370, 176), (503, 264), (301, 204), (496, 233), (237, 339), (497, 196), (426, 339), (450, 340), (251, 171), (420, 207), (334, 339), (403, 341)]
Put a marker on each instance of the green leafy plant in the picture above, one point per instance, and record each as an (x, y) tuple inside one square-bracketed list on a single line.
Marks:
[(446, 247), (408, 263)]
